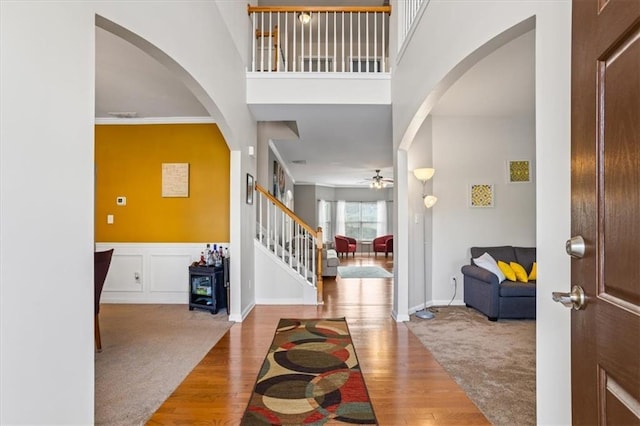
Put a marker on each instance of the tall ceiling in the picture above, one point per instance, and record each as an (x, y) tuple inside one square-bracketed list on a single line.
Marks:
[(339, 145)]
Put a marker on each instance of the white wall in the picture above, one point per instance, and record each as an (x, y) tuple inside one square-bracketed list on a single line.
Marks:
[(46, 191), (438, 53), (470, 150), (306, 204), (291, 289), (46, 186)]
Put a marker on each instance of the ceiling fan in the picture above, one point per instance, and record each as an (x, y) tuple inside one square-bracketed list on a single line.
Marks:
[(378, 181)]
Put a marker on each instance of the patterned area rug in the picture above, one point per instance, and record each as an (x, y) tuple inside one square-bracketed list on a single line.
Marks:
[(311, 375), (363, 272)]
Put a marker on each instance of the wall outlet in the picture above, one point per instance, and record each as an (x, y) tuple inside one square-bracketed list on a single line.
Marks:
[(453, 280)]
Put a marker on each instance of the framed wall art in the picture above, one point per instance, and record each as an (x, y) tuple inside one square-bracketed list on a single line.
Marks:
[(481, 195), (519, 171), (250, 189)]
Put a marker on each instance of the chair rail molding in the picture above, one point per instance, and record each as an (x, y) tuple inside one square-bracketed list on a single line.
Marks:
[(150, 272)]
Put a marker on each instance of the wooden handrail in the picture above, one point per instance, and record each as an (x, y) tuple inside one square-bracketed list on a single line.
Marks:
[(284, 208), (317, 234), (346, 9)]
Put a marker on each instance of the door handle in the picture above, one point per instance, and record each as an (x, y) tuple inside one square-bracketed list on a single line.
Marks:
[(575, 247), (576, 299)]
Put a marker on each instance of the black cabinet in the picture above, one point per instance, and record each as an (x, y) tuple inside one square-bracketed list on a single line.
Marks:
[(208, 287)]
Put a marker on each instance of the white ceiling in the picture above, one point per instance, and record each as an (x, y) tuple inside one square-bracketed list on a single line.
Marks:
[(342, 145)]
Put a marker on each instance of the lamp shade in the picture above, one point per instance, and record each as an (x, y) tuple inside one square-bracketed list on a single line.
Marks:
[(430, 201), (304, 18), (424, 173)]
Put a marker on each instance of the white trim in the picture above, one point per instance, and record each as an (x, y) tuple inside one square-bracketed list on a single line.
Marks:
[(243, 315), (436, 304), (130, 259), (339, 75), (155, 120)]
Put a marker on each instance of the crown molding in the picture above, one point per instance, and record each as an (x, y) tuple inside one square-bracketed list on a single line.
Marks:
[(154, 120)]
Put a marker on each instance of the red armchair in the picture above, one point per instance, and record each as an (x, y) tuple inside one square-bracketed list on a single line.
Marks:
[(345, 245), (383, 244)]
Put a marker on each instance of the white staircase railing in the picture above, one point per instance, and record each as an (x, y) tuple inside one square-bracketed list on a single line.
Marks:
[(321, 39), (289, 238)]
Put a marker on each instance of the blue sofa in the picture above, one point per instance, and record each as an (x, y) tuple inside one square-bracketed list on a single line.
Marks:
[(506, 299)]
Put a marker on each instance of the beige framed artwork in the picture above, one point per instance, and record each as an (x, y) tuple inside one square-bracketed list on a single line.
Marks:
[(175, 180), (481, 195)]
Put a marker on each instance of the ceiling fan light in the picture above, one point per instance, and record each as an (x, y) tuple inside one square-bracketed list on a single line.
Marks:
[(424, 173)]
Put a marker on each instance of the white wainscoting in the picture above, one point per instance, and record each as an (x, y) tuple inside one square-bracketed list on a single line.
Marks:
[(149, 272)]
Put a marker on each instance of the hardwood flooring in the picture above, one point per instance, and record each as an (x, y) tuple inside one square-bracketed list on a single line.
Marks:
[(405, 383)]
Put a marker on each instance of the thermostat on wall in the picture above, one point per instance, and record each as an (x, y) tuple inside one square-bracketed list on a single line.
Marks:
[(121, 201)]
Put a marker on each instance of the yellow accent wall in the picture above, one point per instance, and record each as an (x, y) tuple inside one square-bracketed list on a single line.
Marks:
[(128, 161)]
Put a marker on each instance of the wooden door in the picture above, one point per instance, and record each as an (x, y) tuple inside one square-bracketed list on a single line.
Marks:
[(605, 210)]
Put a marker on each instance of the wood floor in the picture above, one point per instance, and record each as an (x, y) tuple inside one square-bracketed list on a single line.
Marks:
[(405, 383)]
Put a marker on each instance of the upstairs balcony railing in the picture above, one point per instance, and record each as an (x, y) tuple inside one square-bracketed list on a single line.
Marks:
[(320, 39)]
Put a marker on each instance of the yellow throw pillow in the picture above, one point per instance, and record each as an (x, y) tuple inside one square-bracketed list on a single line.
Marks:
[(533, 275), (506, 270), (521, 274)]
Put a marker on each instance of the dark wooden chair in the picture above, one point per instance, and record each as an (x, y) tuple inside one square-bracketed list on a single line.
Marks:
[(101, 262)]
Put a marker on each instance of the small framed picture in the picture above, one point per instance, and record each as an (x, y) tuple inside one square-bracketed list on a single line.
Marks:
[(481, 195), (250, 189), (519, 171)]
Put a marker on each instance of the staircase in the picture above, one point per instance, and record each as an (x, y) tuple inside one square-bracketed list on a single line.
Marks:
[(288, 254)]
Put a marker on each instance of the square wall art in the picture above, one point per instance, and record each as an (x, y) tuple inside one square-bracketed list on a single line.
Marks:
[(519, 171), (481, 195)]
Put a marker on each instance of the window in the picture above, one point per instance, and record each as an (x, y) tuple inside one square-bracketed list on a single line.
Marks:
[(365, 220), (324, 220)]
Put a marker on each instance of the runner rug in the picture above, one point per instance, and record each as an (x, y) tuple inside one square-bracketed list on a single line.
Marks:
[(311, 375)]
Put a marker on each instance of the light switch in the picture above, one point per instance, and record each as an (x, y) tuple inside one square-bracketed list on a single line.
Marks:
[(110, 219)]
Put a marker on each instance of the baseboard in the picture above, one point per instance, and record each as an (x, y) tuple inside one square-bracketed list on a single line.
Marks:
[(436, 304)]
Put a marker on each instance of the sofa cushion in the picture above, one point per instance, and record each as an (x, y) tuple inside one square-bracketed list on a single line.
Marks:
[(511, 289), (506, 270), (332, 258), (504, 253), (521, 274), (487, 262), (533, 275), (525, 256)]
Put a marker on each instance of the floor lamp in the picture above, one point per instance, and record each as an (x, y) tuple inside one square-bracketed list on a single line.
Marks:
[(424, 174)]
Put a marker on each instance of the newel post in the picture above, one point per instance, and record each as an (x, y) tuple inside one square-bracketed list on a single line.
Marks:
[(319, 241)]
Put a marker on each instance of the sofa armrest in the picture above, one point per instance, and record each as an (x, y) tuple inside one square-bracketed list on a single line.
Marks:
[(480, 274)]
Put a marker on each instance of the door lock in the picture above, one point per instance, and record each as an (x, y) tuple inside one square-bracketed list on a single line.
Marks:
[(575, 247), (576, 299)]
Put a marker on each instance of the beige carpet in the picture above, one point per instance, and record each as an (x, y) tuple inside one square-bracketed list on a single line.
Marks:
[(147, 350), (494, 362)]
